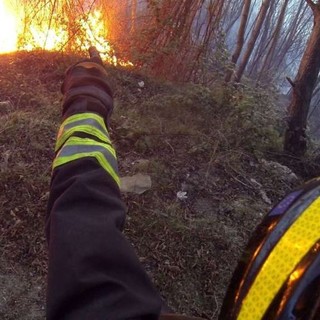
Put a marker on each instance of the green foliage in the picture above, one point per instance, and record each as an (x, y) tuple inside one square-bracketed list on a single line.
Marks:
[(255, 119)]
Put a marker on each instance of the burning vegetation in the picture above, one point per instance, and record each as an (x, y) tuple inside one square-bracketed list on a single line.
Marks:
[(55, 26)]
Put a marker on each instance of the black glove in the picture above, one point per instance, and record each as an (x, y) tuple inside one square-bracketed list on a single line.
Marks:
[(86, 89)]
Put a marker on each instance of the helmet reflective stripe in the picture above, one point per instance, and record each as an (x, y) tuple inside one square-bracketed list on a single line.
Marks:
[(280, 264), (88, 123), (264, 240), (77, 148), (299, 297), (275, 225)]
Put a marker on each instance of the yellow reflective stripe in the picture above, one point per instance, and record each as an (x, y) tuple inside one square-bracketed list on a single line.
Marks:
[(99, 156), (291, 248), (85, 129), (83, 116), (64, 134), (77, 141)]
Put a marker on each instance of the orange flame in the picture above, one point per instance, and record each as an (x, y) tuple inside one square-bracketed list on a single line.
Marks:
[(53, 30), (8, 28)]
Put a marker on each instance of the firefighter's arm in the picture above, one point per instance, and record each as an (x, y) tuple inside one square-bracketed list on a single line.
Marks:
[(93, 271)]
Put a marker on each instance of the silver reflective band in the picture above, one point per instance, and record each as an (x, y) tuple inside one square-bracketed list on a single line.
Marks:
[(88, 121), (70, 150)]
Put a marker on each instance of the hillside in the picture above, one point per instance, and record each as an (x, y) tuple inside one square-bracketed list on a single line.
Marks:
[(186, 137)]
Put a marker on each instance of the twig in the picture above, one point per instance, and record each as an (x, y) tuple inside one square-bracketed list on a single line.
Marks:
[(217, 306), (242, 176), (78, 28), (167, 142), (238, 180), (50, 22), (212, 158), (284, 155), (291, 82)]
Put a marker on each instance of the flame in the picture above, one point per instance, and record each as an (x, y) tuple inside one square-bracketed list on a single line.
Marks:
[(8, 28), (53, 30)]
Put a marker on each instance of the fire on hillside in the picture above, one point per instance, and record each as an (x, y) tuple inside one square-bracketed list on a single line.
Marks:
[(54, 27)]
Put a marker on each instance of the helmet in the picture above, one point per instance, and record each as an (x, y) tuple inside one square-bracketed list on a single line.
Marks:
[(278, 276)]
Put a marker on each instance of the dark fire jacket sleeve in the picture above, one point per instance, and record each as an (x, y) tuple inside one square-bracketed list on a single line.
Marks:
[(93, 271)]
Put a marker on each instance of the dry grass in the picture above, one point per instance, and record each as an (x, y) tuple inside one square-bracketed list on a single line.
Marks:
[(191, 247)]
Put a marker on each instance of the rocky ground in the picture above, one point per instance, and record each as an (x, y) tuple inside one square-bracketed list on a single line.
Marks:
[(211, 184)]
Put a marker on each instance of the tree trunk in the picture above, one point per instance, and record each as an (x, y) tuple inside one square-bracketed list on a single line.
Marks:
[(288, 41), (134, 5), (240, 40), (303, 87), (255, 33), (264, 41), (231, 16), (275, 38)]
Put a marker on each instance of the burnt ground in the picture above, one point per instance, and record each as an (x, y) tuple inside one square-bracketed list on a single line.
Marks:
[(190, 139)]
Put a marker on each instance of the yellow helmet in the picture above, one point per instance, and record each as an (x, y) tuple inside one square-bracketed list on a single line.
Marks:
[(278, 277)]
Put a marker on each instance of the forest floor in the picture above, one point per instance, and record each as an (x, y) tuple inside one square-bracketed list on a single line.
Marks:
[(183, 136)]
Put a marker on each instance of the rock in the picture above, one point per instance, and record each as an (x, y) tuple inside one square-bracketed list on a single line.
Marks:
[(138, 184), (280, 170)]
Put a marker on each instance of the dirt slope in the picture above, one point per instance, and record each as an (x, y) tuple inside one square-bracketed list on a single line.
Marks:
[(189, 141)]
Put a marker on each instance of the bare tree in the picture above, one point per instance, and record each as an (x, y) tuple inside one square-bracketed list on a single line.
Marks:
[(264, 40), (281, 42), (240, 40), (303, 87), (134, 5), (275, 37), (294, 30), (174, 38), (253, 38), (232, 13)]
